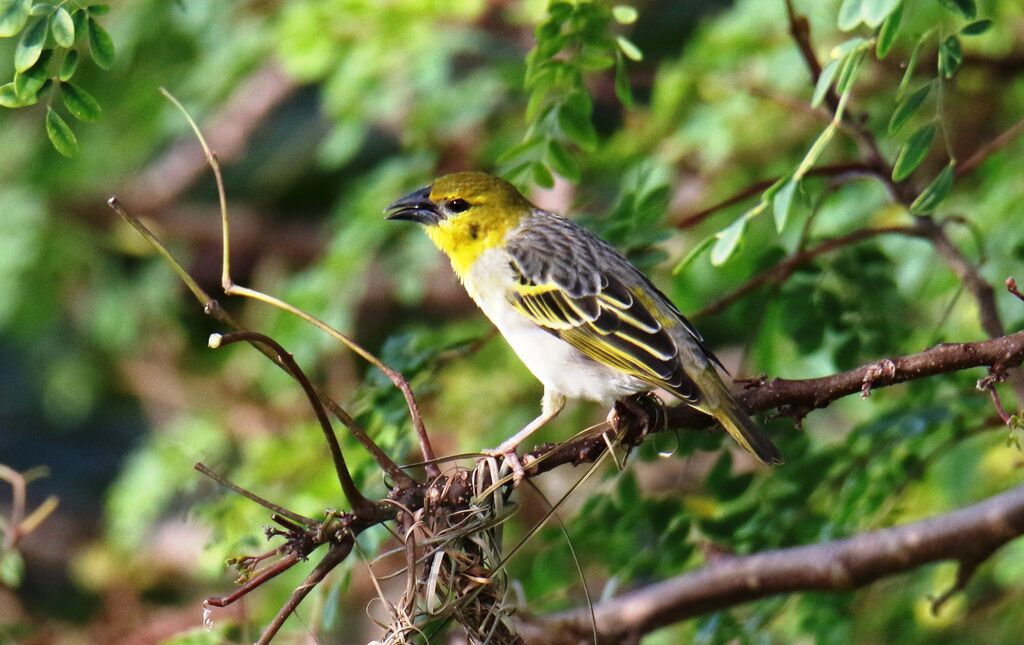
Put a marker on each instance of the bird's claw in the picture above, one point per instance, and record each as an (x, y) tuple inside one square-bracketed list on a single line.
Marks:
[(510, 457)]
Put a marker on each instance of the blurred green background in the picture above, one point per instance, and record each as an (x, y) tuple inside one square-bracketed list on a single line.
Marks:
[(323, 112)]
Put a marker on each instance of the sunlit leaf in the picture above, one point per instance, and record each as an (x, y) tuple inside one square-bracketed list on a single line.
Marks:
[(782, 202), (100, 45), (623, 90), (61, 136), (825, 79), (913, 152), (13, 16), (728, 239), (907, 108), (624, 14), (562, 161), (63, 28), (79, 102), (9, 97), (849, 14), (627, 47), (935, 192), (874, 12), (28, 83), (31, 45)]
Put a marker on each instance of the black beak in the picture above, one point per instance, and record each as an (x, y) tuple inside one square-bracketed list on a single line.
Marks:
[(415, 207)]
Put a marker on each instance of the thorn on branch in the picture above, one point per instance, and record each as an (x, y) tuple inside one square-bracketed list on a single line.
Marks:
[(883, 368)]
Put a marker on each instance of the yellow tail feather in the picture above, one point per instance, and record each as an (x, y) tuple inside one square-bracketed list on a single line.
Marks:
[(717, 401)]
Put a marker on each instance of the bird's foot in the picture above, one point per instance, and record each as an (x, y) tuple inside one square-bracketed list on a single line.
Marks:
[(509, 456), (645, 408)]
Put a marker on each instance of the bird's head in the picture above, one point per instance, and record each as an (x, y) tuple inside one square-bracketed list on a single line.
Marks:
[(465, 214)]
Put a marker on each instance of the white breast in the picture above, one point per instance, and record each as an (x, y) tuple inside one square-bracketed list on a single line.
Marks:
[(556, 363)]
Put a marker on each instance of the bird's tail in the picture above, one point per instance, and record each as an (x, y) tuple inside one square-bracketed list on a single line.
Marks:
[(717, 401)]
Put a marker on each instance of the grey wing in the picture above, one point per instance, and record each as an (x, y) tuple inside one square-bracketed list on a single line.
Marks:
[(580, 288)]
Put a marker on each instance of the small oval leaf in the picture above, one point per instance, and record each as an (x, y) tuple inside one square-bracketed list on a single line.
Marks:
[(99, 9), (624, 14), (28, 83), (825, 79), (950, 56), (911, 66), (69, 65), (849, 14), (887, 34), (631, 51), (79, 102), (907, 108), (13, 16), (100, 45), (31, 45), (562, 161), (966, 8), (935, 192), (63, 28), (9, 97), (782, 203), (977, 28), (61, 136), (727, 241), (874, 12), (913, 152), (623, 90)]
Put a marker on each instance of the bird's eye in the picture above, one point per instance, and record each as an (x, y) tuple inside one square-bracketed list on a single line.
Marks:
[(458, 205)]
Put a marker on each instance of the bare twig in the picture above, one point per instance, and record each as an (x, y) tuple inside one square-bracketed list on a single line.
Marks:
[(361, 506), (18, 525), (984, 152), (226, 483), (1011, 286), (968, 535)]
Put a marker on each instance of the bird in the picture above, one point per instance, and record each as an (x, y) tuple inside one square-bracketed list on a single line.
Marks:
[(586, 322)]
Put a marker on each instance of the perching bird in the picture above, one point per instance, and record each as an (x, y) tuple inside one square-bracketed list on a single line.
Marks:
[(585, 321)]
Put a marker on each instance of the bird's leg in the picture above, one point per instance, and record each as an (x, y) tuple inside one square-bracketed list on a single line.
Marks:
[(551, 405)]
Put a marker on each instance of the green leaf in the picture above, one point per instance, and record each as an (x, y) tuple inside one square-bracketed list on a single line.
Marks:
[(977, 28), (935, 192), (63, 28), (824, 82), (577, 127), (31, 45), (12, 568), (631, 51), (814, 152), (950, 56), (41, 9), (848, 72), (624, 14), (913, 152), (849, 14), (874, 12), (68, 65), (887, 34), (28, 83), (727, 241), (623, 90), (99, 9), (907, 107), (78, 18), (562, 161), (543, 176), (13, 16), (61, 136), (911, 66), (100, 45), (80, 103), (693, 254), (9, 97), (966, 8), (782, 203)]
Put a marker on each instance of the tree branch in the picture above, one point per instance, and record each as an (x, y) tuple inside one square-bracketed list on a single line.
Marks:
[(969, 535)]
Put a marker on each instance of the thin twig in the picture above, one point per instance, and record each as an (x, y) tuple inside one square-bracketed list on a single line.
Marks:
[(361, 506), (984, 152), (226, 483), (232, 289)]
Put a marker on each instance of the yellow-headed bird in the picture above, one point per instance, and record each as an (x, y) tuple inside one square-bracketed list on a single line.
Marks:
[(585, 321)]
